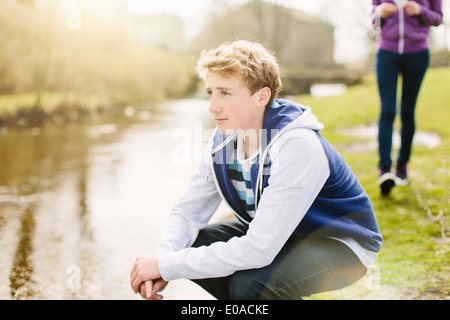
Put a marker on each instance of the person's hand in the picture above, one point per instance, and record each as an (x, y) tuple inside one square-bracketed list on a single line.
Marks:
[(150, 288), (385, 9), (144, 268), (412, 8)]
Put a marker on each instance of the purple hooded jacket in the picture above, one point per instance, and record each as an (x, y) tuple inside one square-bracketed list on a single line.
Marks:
[(401, 33)]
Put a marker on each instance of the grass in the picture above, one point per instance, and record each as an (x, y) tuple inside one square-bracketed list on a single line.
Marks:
[(414, 261)]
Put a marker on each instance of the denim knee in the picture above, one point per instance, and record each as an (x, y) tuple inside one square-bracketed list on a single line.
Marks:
[(244, 286), (387, 114)]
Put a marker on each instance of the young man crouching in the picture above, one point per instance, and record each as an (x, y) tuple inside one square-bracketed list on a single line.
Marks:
[(304, 223)]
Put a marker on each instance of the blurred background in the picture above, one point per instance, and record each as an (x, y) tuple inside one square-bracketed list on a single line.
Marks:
[(103, 118), (70, 58)]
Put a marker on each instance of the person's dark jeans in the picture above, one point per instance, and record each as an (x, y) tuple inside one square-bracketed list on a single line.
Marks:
[(389, 66), (303, 267)]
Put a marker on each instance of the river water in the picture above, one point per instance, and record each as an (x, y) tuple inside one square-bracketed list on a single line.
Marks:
[(79, 203)]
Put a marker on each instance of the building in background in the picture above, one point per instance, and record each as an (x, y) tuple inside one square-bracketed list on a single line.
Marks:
[(303, 44)]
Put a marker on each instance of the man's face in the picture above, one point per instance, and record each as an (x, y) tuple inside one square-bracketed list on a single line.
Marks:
[(231, 103)]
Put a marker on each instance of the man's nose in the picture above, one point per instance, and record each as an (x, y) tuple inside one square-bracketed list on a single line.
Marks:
[(214, 106)]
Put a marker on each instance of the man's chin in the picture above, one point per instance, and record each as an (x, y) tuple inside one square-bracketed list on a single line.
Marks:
[(226, 131)]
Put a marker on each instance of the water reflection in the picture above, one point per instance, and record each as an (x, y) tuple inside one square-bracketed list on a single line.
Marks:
[(85, 229), (79, 203), (22, 269)]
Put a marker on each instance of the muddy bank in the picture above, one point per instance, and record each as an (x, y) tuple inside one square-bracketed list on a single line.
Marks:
[(30, 117), (368, 135)]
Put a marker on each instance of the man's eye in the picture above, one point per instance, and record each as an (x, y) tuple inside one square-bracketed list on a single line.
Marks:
[(225, 93), (209, 93)]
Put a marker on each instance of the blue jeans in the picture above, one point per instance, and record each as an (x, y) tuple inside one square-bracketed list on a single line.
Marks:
[(389, 66), (303, 267)]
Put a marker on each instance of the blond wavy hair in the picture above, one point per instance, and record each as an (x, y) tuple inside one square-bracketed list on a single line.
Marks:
[(250, 60)]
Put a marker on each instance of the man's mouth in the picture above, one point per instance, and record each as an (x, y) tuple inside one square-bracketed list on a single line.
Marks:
[(220, 120)]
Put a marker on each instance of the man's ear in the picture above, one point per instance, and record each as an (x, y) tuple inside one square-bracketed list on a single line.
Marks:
[(264, 97)]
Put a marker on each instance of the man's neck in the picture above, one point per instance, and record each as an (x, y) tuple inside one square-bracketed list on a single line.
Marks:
[(252, 141), (252, 136)]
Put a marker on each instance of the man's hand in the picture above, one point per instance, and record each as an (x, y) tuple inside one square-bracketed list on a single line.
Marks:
[(385, 9), (412, 8), (149, 289), (145, 277)]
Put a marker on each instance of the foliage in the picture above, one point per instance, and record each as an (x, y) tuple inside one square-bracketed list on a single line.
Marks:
[(98, 61)]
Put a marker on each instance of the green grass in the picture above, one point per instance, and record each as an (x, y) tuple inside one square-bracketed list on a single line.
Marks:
[(414, 261)]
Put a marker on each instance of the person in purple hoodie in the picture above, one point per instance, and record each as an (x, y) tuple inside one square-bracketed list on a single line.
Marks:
[(403, 49)]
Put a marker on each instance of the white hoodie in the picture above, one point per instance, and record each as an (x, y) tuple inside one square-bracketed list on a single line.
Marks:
[(299, 167)]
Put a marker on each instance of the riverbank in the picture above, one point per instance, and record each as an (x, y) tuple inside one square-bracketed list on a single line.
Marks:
[(30, 110), (57, 109)]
